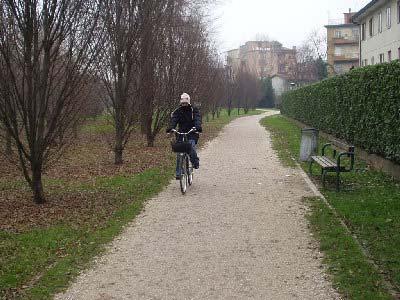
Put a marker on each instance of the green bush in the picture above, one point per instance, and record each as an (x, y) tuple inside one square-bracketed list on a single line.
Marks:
[(361, 107)]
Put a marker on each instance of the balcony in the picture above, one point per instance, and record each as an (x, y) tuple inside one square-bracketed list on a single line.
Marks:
[(346, 57), (346, 41)]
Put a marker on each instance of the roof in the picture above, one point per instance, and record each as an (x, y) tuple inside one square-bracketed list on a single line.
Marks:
[(340, 25), (283, 76), (356, 18)]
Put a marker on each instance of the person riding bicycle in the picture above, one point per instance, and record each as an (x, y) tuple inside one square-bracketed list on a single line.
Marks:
[(187, 117)]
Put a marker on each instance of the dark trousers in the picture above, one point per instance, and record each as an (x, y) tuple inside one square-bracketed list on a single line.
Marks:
[(194, 159)]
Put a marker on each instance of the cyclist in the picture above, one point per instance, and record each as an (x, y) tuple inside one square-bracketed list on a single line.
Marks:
[(187, 117)]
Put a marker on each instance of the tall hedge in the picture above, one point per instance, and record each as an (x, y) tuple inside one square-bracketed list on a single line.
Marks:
[(361, 107)]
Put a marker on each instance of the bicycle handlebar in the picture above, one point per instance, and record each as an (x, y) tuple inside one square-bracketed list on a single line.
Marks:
[(183, 133)]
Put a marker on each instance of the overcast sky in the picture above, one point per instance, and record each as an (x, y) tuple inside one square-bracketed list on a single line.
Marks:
[(288, 21)]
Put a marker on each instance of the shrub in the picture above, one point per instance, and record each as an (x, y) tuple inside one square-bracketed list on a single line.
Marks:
[(361, 107)]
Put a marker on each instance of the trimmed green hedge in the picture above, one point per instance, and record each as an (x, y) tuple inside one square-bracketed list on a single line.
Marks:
[(361, 107)]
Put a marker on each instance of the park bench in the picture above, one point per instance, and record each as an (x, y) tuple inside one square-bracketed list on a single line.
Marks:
[(334, 163)]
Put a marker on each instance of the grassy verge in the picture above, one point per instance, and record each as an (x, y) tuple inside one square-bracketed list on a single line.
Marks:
[(369, 204), (84, 214)]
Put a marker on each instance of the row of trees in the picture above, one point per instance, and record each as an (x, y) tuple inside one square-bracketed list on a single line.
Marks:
[(63, 60)]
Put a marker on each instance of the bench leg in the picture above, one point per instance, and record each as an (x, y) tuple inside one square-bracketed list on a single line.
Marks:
[(337, 181), (323, 177)]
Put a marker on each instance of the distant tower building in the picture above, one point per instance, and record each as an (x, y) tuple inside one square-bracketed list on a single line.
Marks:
[(343, 45), (262, 58)]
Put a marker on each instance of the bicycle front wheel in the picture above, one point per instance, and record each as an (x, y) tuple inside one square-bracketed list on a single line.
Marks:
[(184, 177), (189, 170)]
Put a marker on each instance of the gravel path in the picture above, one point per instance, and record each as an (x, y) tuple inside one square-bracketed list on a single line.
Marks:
[(239, 233)]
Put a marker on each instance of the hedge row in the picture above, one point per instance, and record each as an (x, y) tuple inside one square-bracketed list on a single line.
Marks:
[(361, 107)]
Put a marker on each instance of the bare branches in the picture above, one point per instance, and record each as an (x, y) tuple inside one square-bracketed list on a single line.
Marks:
[(46, 53), (59, 57), (118, 67), (311, 56)]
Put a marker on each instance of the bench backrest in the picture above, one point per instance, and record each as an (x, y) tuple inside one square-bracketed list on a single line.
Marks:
[(342, 147)]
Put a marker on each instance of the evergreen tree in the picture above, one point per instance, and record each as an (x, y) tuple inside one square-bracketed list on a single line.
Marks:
[(321, 68), (268, 97)]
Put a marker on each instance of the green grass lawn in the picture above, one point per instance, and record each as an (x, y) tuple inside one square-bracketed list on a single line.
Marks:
[(38, 262), (44, 259), (369, 204)]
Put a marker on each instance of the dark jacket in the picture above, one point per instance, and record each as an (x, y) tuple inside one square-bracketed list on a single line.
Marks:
[(186, 117)]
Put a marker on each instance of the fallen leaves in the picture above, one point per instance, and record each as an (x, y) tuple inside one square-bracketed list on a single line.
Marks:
[(89, 158)]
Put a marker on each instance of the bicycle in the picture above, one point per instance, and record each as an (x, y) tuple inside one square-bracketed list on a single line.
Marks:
[(183, 148)]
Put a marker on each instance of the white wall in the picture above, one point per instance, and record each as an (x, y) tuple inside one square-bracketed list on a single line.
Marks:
[(381, 42), (280, 85)]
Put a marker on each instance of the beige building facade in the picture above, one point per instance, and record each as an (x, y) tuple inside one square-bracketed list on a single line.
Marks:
[(342, 45), (379, 23), (262, 58)]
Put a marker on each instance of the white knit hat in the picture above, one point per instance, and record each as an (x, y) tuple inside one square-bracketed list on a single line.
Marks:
[(185, 98)]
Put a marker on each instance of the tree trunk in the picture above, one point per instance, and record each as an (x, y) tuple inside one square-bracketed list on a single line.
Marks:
[(246, 107), (118, 148), (118, 154), (36, 185), (238, 110), (150, 141), (8, 149), (150, 135)]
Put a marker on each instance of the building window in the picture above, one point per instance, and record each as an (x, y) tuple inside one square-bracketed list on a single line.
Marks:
[(372, 60), (338, 34), (371, 27), (388, 17), (389, 55), (380, 22), (338, 51), (382, 58), (365, 62), (363, 27), (398, 11)]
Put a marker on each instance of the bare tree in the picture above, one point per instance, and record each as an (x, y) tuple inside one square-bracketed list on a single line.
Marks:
[(174, 58), (46, 51), (118, 68), (317, 42), (150, 16), (229, 86), (262, 37), (311, 56), (248, 90)]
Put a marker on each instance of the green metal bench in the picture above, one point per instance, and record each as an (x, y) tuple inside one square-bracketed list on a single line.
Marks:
[(333, 164)]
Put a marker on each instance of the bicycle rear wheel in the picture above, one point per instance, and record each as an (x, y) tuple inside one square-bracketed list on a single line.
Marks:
[(184, 177)]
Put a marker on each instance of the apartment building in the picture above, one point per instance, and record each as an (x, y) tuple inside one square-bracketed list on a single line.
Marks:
[(342, 45), (379, 23), (262, 58)]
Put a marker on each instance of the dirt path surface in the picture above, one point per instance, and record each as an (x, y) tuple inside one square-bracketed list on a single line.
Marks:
[(239, 233)]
